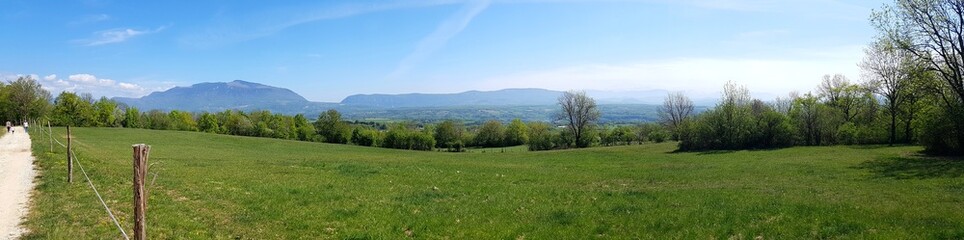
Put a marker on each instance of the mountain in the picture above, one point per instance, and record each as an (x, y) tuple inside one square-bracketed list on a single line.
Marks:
[(530, 104), (505, 97), (220, 96)]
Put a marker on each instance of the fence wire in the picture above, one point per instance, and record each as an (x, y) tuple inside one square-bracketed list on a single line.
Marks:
[(91, 184)]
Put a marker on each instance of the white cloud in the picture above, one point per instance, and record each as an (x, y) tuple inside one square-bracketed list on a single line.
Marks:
[(116, 36), (129, 86), (437, 39), (88, 83), (82, 78)]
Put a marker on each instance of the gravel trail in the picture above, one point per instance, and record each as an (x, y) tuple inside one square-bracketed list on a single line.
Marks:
[(16, 181)]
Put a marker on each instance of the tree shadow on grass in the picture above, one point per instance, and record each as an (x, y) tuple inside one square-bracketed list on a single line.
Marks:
[(914, 167)]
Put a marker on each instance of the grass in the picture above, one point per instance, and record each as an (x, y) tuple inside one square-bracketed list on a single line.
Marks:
[(216, 186)]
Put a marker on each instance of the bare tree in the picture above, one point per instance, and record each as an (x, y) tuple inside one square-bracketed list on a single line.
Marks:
[(888, 70), (580, 113), (785, 105), (676, 108)]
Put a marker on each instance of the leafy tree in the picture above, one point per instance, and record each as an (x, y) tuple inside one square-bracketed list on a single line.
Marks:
[(304, 129), (540, 136), (181, 121), (364, 136), (29, 99), (448, 134), (106, 112), (491, 134), (579, 113), (517, 133), (158, 120), (208, 123), (71, 110), (330, 126), (402, 136), (812, 119), (931, 32), (132, 118)]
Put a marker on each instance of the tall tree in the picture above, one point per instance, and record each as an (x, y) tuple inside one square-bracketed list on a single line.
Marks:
[(330, 126), (579, 112), (517, 133), (933, 31), (491, 134), (448, 134), (889, 70), (72, 110), (29, 99), (840, 94), (676, 108)]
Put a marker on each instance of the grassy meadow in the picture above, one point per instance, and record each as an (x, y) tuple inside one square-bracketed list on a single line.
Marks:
[(218, 186)]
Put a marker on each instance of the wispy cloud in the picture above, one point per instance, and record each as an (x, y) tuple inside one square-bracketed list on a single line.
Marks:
[(116, 36), (437, 39), (227, 29)]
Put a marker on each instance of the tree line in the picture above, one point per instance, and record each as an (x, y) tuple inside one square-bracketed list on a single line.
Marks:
[(912, 92), (25, 100)]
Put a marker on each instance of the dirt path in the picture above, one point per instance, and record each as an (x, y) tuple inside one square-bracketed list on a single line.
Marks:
[(16, 181)]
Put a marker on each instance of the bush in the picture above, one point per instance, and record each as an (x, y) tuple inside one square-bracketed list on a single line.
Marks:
[(940, 131), (658, 136), (540, 136)]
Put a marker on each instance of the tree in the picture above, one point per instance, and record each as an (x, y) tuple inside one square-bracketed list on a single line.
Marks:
[(132, 118), (330, 126), (808, 113), (579, 113), (181, 121), (304, 129), (491, 134), (889, 70), (838, 93), (517, 133), (540, 136), (106, 112), (208, 123), (933, 31), (676, 108), (29, 99), (71, 110), (448, 134)]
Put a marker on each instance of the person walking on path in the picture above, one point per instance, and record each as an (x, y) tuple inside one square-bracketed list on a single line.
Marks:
[(8, 126), (25, 125)]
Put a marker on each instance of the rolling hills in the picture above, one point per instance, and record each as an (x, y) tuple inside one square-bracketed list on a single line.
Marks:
[(471, 106)]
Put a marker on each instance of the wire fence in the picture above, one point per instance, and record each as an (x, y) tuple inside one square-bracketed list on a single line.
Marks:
[(89, 182)]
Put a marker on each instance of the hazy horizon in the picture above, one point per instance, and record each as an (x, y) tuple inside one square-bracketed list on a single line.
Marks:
[(329, 50)]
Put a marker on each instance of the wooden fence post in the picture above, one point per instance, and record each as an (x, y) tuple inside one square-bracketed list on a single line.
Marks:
[(141, 153), (70, 162), (50, 136)]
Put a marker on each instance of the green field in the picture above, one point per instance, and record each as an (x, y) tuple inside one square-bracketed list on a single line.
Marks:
[(217, 186)]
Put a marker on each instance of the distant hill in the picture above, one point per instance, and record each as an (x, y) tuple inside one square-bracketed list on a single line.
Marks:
[(220, 96), (505, 97), (473, 106)]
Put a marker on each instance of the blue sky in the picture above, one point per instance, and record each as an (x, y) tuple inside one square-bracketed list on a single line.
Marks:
[(326, 50)]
